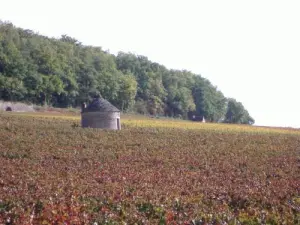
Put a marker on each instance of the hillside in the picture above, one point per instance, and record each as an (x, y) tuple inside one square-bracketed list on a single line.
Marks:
[(63, 72)]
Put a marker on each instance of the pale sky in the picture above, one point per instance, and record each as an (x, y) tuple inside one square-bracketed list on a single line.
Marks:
[(249, 49)]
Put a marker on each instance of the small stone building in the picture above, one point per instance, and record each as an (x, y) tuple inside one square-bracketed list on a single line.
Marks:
[(100, 114)]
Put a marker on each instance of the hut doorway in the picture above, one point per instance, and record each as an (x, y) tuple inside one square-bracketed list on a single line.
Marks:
[(118, 124)]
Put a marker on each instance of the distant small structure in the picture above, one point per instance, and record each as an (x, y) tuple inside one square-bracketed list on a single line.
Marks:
[(203, 120), (8, 109), (15, 107), (100, 114)]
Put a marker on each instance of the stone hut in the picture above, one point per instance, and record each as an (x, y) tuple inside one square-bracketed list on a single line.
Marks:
[(100, 114)]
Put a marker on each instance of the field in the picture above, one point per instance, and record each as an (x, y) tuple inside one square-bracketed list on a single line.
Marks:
[(153, 171)]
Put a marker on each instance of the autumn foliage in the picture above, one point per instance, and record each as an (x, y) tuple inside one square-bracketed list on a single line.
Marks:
[(54, 172)]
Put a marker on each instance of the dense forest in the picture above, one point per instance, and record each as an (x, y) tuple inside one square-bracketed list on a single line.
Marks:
[(62, 72)]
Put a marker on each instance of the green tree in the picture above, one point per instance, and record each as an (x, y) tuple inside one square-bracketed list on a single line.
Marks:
[(236, 113), (33, 83), (11, 88), (210, 102), (127, 92), (50, 85)]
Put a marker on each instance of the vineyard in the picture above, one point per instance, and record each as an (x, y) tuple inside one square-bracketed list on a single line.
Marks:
[(153, 171)]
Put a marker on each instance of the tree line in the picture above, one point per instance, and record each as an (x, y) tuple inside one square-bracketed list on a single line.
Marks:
[(63, 72)]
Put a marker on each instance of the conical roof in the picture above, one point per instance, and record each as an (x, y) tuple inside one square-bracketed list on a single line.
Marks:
[(101, 105)]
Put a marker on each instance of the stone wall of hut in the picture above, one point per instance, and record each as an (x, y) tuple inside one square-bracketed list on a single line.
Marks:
[(103, 120)]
